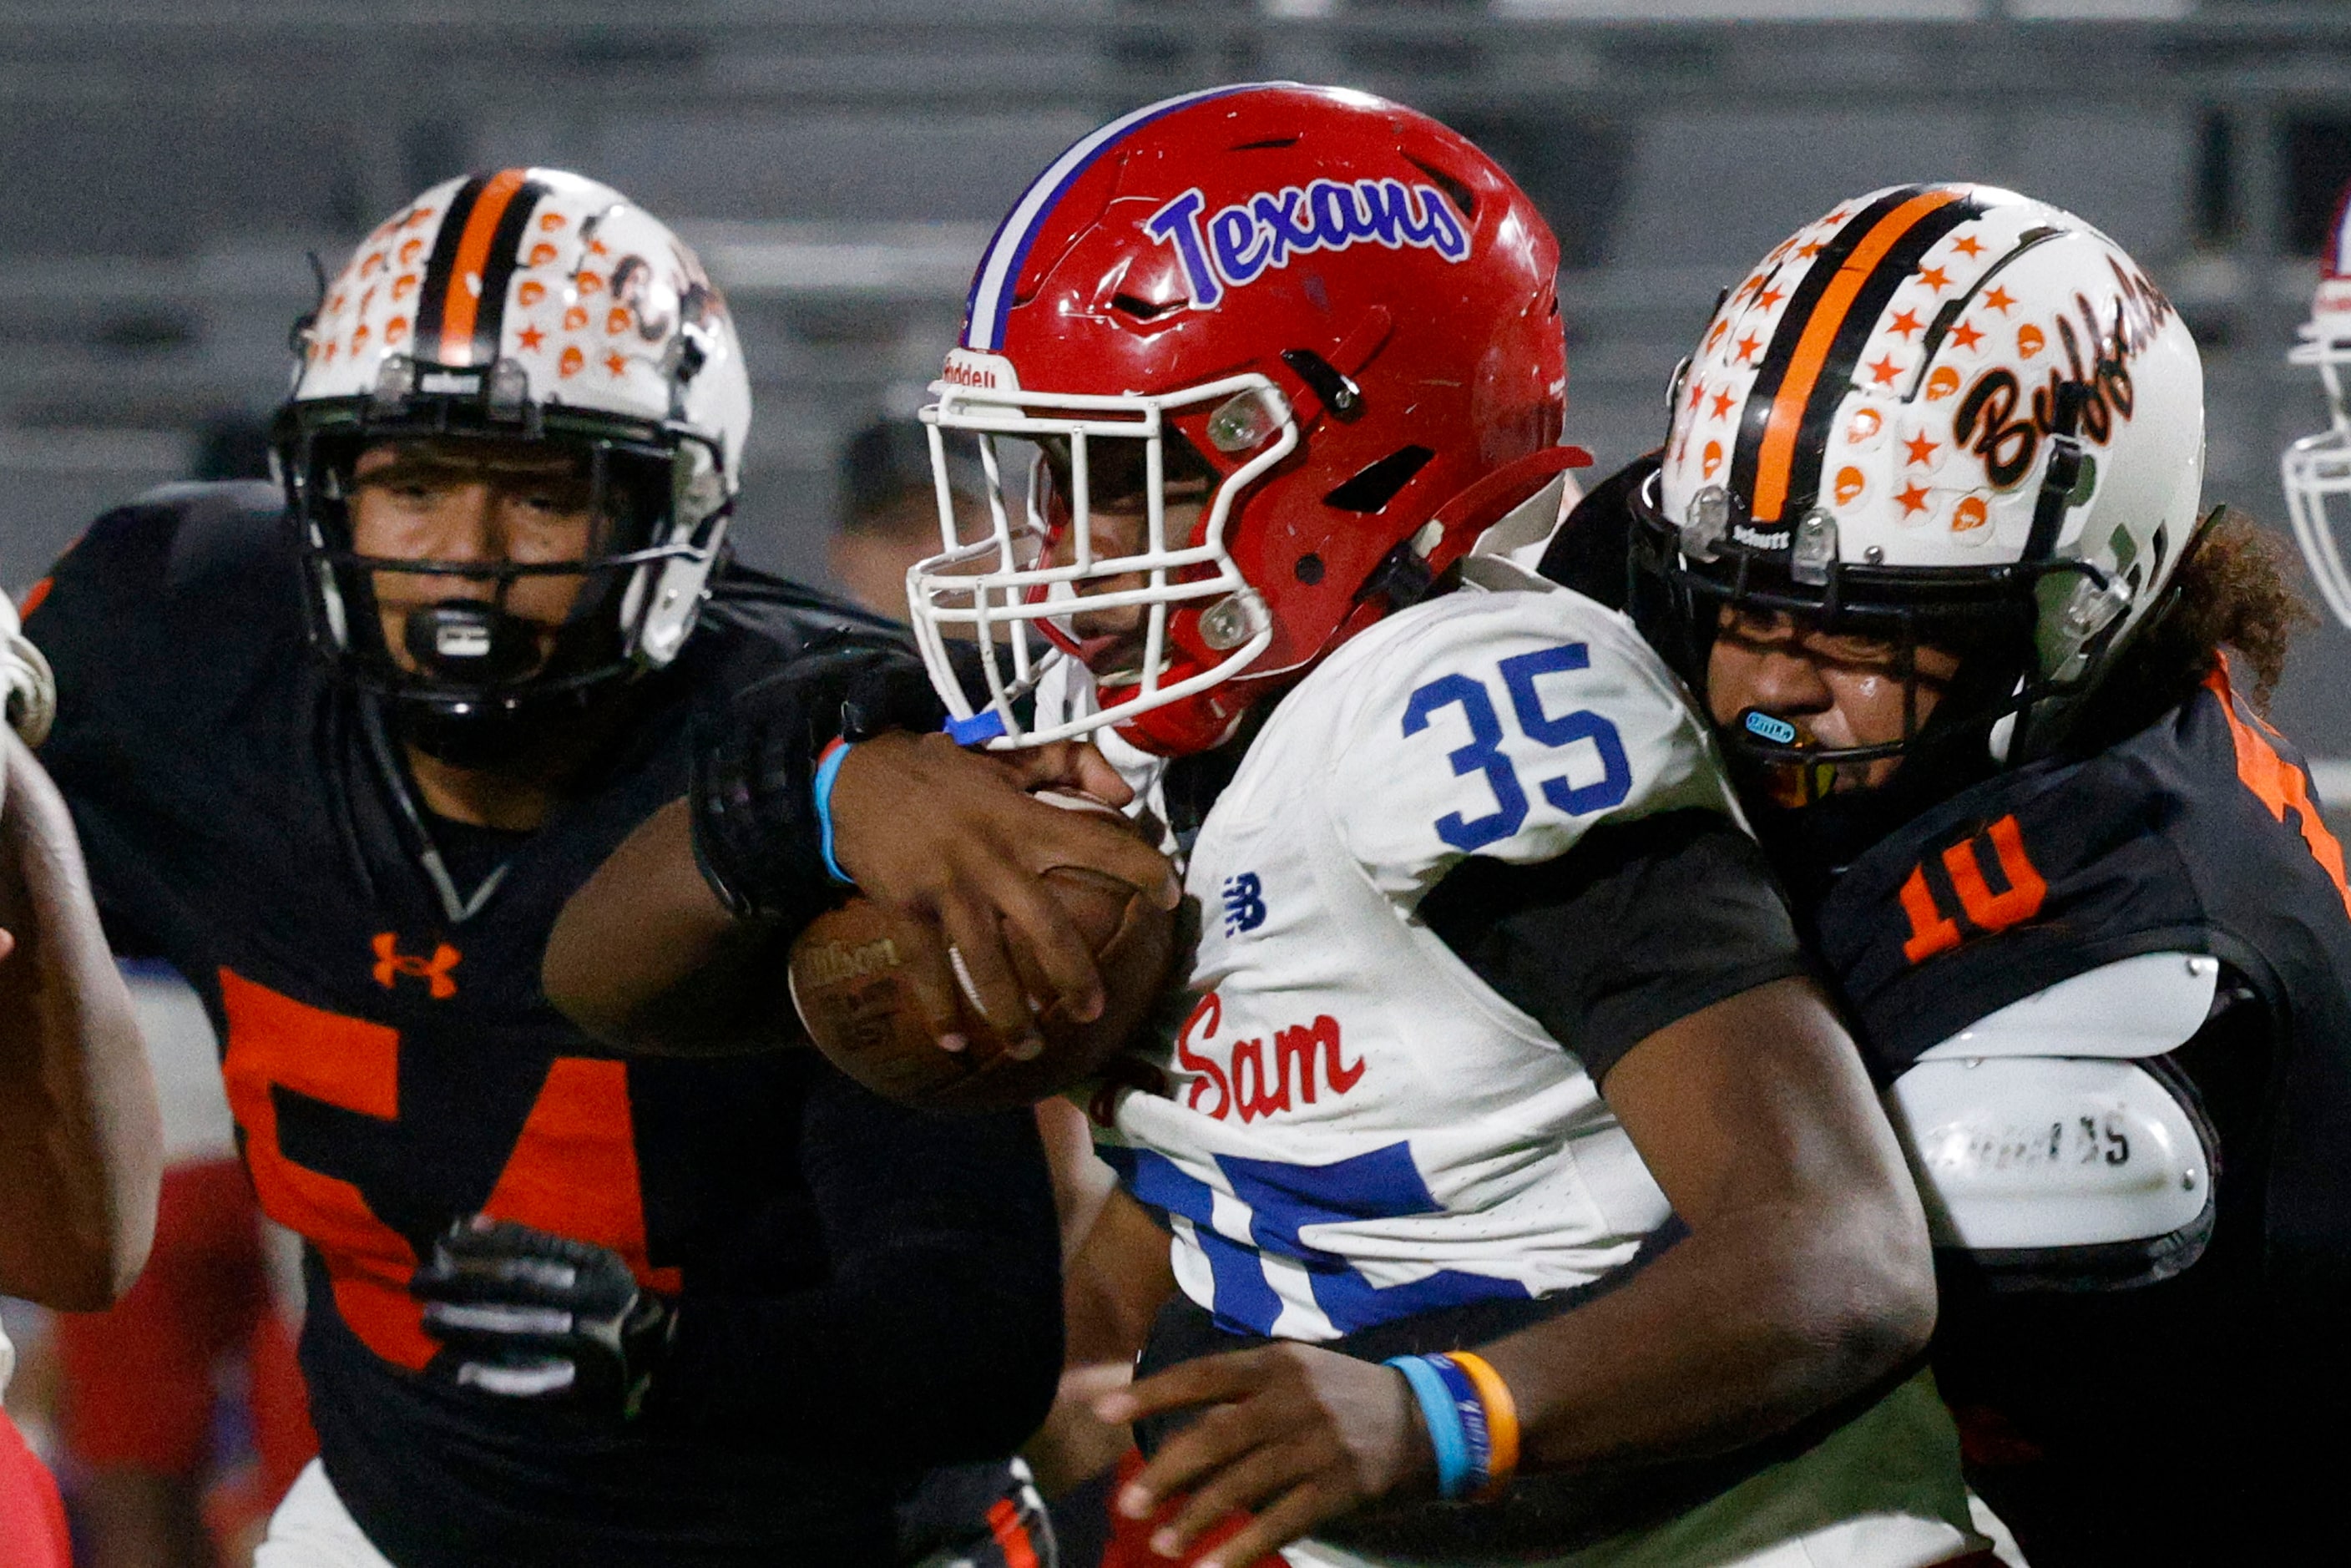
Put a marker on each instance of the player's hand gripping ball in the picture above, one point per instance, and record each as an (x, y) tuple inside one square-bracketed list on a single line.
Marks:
[(847, 980)]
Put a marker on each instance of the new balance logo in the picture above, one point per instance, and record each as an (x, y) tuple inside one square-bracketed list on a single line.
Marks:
[(392, 964), (1244, 903)]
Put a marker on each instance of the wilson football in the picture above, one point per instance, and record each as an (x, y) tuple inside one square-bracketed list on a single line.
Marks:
[(847, 980)]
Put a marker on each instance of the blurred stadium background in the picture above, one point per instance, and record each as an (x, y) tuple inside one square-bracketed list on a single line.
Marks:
[(168, 165)]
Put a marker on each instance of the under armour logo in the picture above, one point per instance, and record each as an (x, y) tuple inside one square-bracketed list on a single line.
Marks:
[(390, 963), (1244, 903)]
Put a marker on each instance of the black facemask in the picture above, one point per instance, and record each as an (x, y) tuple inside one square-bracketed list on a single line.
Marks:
[(463, 679), (1812, 846)]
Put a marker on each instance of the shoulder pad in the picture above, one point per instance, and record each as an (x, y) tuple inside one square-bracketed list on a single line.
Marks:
[(2136, 1007), (1525, 531), (2039, 1154)]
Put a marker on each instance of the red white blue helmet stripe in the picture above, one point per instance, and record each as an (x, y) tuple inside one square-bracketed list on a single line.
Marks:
[(2338, 239), (1008, 252)]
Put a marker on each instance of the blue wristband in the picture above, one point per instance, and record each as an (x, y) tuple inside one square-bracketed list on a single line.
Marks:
[(1470, 1410), (977, 730), (826, 770), (1443, 1419)]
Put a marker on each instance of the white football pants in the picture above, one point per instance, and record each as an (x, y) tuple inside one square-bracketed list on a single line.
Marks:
[(1872, 1541), (311, 1529)]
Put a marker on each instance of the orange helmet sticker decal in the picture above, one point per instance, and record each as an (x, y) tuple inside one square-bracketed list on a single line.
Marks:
[(1805, 374)]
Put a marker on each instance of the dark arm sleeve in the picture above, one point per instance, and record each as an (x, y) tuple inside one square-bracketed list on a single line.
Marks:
[(1641, 923), (937, 1335)]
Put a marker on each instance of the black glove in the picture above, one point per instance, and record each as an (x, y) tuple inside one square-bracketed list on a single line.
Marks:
[(755, 833), (530, 1315)]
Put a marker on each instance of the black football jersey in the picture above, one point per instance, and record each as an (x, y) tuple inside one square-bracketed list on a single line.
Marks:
[(2088, 1413), (2201, 835), (393, 1067)]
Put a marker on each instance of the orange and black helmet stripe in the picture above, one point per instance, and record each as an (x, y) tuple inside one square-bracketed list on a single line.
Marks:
[(1818, 344), (473, 258)]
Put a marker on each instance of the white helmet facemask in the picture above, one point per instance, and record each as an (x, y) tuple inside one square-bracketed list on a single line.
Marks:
[(1056, 466), (2316, 469)]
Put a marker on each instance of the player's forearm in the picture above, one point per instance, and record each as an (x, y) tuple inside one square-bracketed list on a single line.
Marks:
[(80, 1136), (1737, 1332), (1115, 1283), (644, 956), (1806, 1275)]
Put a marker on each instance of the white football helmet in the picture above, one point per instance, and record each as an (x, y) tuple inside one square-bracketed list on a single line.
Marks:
[(2317, 468), (531, 305), (1941, 414)]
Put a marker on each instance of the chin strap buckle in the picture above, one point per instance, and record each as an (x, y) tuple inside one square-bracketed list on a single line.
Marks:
[(1402, 578)]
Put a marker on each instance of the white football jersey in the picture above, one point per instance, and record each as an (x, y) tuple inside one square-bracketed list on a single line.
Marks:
[(1357, 1127)]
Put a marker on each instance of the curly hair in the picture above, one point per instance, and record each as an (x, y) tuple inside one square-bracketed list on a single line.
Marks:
[(2233, 591)]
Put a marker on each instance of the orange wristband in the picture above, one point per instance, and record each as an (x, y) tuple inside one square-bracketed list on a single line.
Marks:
[(1501, 1421)]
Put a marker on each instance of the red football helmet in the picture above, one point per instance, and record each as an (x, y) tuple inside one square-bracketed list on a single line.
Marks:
[(1335, 318)]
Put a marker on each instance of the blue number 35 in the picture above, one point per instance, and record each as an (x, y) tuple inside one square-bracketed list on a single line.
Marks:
[(1484, 753)]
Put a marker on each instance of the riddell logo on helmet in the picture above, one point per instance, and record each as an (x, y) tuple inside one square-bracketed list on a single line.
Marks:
[(1233, 246), (986, 372), (2334, 297)]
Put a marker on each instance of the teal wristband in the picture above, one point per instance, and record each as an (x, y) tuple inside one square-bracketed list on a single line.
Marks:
[(1469, 1411), (1443, 1419), (827, 769)]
